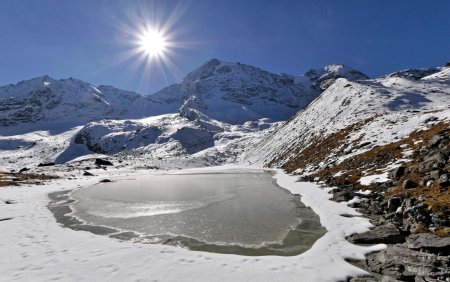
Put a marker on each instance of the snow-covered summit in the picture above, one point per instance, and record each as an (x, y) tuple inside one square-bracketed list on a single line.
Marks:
[(322, 78), (236, 93)]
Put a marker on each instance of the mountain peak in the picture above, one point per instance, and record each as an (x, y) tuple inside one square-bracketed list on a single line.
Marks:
[(325, 76), (336, 70)]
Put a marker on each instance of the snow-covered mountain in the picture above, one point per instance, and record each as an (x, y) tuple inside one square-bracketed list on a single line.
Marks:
[(365, 113), (229, 92), (44, 99), (235, 93), (213, 107)]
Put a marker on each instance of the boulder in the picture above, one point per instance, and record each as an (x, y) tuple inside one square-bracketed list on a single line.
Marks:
[(343, 196), (99, 161), (409, 203), (408, 184), (402, 263), (438, 158), (417, 215), (87, 173), (387, 234), (435, 174), (398, 172), (394, 203), (429, 242), (435, 140), (443, 179)]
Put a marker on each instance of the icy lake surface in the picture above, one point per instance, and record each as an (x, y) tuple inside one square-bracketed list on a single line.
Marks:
[(231, 212)]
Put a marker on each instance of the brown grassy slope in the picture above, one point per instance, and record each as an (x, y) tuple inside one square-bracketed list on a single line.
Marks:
[(318, 150), (375, 161)]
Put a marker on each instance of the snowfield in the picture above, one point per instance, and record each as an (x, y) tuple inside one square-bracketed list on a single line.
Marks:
[(34, 247)]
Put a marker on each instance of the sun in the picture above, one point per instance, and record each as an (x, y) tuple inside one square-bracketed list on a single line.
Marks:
[(153, 43)]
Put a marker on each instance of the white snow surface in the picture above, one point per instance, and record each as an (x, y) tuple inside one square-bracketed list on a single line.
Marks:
[(376, 178), (34, 247)]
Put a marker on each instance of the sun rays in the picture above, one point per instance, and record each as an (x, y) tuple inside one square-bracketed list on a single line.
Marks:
[(151, 43)]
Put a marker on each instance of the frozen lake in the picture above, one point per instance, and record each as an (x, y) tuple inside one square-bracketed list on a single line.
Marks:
[(241, 212)]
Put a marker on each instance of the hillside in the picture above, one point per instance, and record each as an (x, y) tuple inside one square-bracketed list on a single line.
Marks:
[(370, 113), (383, 144)]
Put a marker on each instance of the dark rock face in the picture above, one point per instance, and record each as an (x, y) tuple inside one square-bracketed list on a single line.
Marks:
[(415, 73), (394, 203), (87, 173), (46, 164), (398, 172), (105, 181), (24, 169), (99, 161)]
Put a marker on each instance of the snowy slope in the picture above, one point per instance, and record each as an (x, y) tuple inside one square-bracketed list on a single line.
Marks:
[(396, 105)]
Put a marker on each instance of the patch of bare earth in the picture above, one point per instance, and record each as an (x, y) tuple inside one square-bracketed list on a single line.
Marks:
[(17, 179)]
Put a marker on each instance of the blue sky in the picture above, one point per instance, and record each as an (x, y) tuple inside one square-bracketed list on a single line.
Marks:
[(86, 39)]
